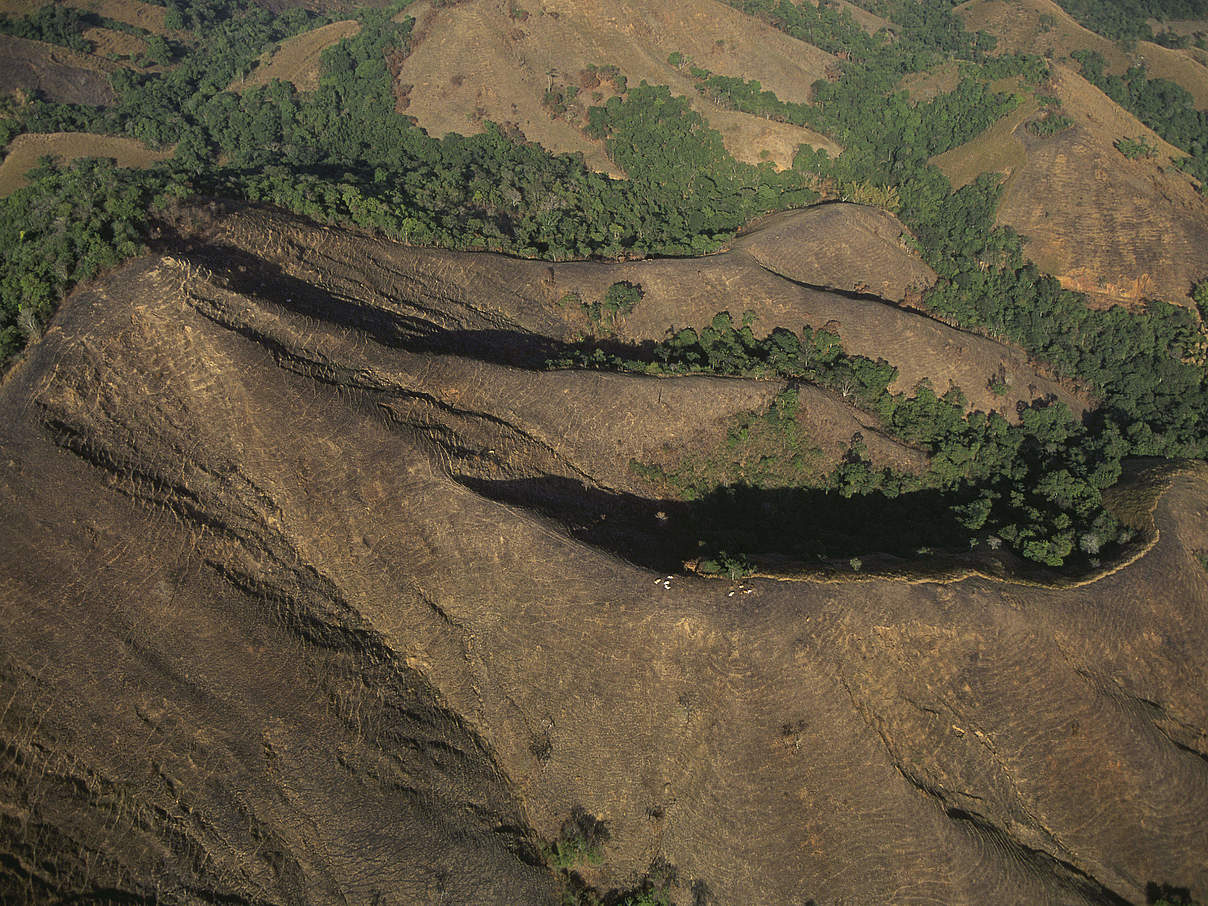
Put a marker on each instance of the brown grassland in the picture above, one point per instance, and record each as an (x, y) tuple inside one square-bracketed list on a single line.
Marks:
[(495, 60), (318, 584), (366, 596), (106, 41), (1043, 27), (782, 272), (1118, 230)]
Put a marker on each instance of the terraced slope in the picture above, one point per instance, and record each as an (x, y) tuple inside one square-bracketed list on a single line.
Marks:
[(321, 575)]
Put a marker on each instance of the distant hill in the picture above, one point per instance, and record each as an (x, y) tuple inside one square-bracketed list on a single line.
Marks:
[(1118, 230), (1043, 27), (496, 60), (57, 72)]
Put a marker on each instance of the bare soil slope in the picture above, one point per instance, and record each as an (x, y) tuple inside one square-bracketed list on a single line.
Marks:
[(296, 59), (268, 639), (476, 61), (1043, 27), (25, 150), (1116, 229), (56, 72)]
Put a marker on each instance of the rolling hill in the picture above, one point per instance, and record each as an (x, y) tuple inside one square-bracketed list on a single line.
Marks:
[(784, 272), (57, 72), (392, 683), (1119, 231), (1043, 27)]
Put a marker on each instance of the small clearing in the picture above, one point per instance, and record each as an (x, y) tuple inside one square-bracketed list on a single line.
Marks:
[(25, 151), (112, 44), (924, 86), (296, 59), (997, 150)]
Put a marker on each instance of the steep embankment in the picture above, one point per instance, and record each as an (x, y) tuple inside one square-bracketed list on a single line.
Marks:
[(781, 272), (496, 59), (244, 533)]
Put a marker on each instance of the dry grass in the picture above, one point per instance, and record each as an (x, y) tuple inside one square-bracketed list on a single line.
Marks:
[(924, 86), (1118, 230), (257, 526), (146, 16), (57, 73), (25, 150), (296, 59), (106, 41), (475, 61), (847, 247)]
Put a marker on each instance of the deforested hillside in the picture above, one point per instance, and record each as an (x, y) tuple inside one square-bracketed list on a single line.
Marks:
[(1043, 27), (57, 72), (359, 671), (296, 60), (780, 272)]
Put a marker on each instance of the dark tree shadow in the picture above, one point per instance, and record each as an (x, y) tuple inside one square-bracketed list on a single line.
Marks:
[(778, 525)]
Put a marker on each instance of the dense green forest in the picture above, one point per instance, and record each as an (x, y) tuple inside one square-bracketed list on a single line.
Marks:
[(340, 154), (53, 24)]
